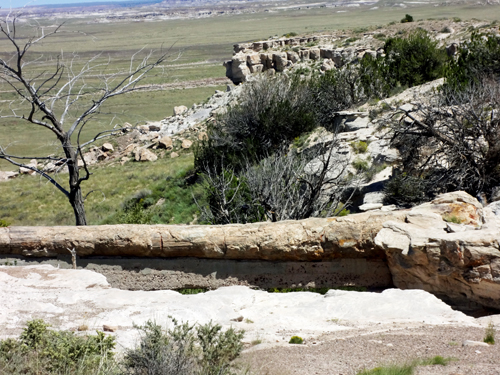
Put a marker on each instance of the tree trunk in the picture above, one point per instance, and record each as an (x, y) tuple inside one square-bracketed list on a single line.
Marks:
[(75, 192), (76, 201)]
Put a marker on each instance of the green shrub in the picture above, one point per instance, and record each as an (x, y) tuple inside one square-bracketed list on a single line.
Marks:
[(361, 165), (413, 60), (452, 219), (359, 147), (272, 111), (296, 340), (4, 223), (290, 34), (407, 18), (407, 368), (40, 350), (405, 190), (477, 58), (489, 336), (184, 349), (189, 291)]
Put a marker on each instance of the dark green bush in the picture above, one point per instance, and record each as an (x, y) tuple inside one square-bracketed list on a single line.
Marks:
[(405, 190), (477, 58), (272, 111), (413, 60), (407, 18), (489, 336), (296, 340)]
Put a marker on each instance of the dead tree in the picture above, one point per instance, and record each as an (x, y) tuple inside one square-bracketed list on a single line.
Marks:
[(453, 142), (287, 185), (62, 99)]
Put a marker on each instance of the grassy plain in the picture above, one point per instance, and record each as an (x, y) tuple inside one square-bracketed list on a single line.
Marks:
[(29, 200), (197, 47)]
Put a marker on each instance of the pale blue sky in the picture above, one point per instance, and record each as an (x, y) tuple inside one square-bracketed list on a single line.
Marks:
[(5, 4)]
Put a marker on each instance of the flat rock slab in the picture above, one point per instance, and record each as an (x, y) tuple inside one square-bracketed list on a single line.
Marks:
[(71, 298)]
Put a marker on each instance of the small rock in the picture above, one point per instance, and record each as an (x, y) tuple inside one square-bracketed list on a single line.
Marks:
[(174, 155), (102, 155), (144, 154), (107, 328), (179, 110), (107, 147), (165, 142), (23, 170), (495, 207), (474, 343), (374, 197), (7, 175), (408, 107), (370, 206), (186, 143), (238, 319)]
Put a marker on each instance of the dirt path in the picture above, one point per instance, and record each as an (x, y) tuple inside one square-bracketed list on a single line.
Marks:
[(346, 353)]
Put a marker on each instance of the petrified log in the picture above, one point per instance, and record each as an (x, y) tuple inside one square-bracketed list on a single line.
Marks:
[(304, 240)]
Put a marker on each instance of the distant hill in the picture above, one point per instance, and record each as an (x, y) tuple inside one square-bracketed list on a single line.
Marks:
[(119, 4)]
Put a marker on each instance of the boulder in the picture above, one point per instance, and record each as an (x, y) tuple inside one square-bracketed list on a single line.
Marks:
[(143, 154), (23, 170), (304, 54), (156, 127), (32, 164), (266, 60), (293, 56), (337, 59), (359, 122), (239, 69), (179, 110), (280, 61), (253, 59), (101, 155), (370, 206), (259, 68), (314, 53), (8, 175), (107, 147), (257, 46), (327, 65), (165, 142), (186, 143), (462, 268)]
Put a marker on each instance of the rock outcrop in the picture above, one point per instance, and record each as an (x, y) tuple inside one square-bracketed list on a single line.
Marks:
[(457, 262), (449, 247)]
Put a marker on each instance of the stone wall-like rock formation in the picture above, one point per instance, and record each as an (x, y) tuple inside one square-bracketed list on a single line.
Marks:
[(276, 55)]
